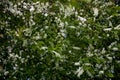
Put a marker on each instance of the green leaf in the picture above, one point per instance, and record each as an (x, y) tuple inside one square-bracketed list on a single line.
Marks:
[(110, 74)]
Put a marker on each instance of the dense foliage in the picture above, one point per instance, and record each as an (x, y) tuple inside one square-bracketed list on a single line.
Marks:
[(59, 40)]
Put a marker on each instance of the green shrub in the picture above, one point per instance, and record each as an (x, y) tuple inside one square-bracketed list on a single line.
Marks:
[(59, 40)]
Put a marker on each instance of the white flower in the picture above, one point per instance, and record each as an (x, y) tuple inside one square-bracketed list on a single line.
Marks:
[(89, 54), (47, 4), (103, 51), (32, 8), (95, 10), (14, 68), (82, 19), (112, 44), (6, 73), (107, 29), (72, 26), (19, 13), (77, 63), (87, 64), (76, 48), (79, 71), (108, 35), (16, 56), (101, 72), (37, 36), (98, 66), (117, 27), (44, 48), (76, 12), (46, 27), (12, 10), (110, 58), (66, 23), (12, 55), (16, 33), (46, 14), (115, 49), (57, 54), (22, 60), (64, 34), (70, 51), (24, 6), (15, 6), (69, 10), (62, 30), (61, 24), (19, 3), (45, 36)]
